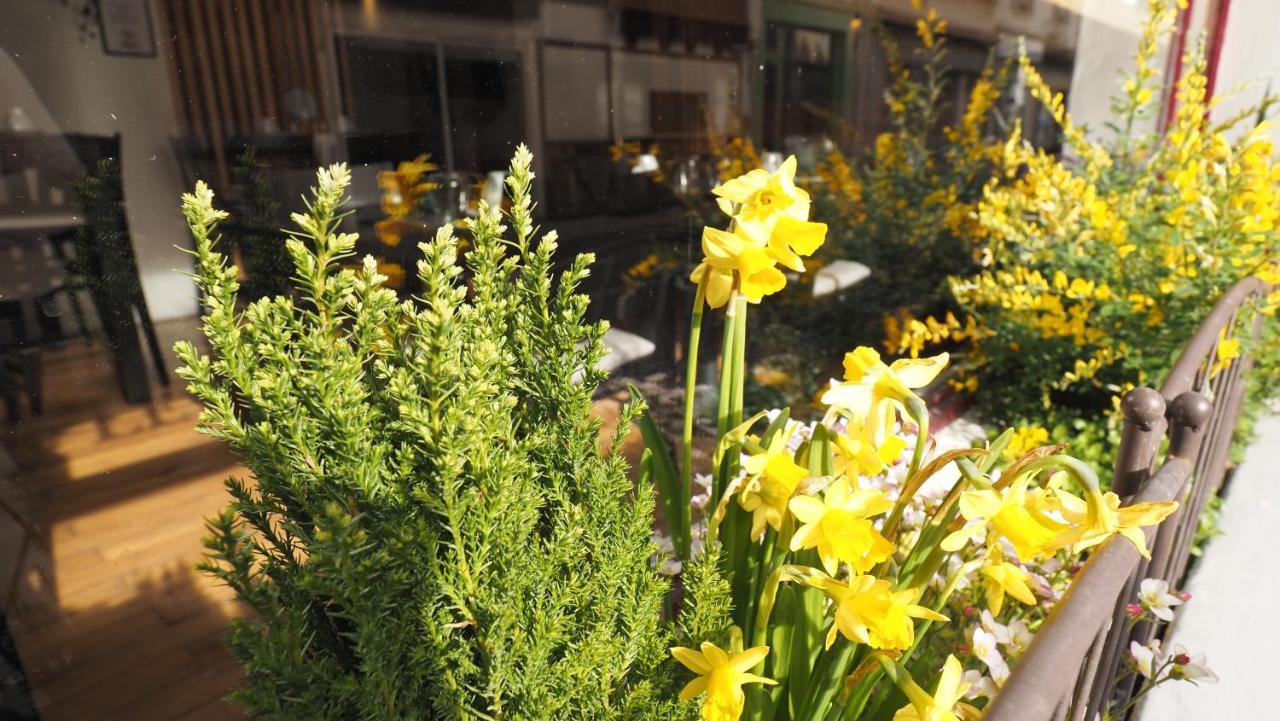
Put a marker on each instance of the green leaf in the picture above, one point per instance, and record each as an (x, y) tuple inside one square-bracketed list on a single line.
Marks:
[(669, 482)]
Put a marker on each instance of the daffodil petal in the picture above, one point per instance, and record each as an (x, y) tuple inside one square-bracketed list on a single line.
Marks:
[(749, 659), (919, 372), (694, 688), (807, 509), (691, 659), (801, 236), (714, 655)]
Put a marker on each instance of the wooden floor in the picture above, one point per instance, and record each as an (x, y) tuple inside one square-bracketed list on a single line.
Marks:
[(110, 619)]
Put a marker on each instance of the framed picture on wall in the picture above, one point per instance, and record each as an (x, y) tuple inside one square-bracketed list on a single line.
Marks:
[(126, 28)]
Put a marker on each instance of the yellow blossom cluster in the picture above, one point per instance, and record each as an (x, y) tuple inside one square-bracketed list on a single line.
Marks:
[(909, 207), (1091, 272), (769, 226)]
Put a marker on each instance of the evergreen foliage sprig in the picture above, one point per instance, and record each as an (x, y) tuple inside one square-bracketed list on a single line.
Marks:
[(430, 530)]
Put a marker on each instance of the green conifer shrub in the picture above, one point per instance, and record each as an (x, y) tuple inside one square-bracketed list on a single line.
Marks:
[(430, 530)]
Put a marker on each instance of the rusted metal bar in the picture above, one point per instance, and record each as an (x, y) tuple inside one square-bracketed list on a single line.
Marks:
[(1144, 415), (1085, 679), (1182, 376)]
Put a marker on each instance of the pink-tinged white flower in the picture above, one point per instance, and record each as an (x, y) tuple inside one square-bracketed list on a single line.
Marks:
[(985, 648), (1147, 659), (1041, 586), (1191, 668), (1154, 595), (1019, 636), (980, 686), (994, 627)]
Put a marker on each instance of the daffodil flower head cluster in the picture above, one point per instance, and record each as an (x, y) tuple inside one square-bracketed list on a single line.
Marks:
[(770, 227), (831, 575), (876, 394), (1020, 524)]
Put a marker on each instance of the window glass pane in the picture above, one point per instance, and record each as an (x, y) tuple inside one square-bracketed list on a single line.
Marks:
[(392, 99), (923, 148)]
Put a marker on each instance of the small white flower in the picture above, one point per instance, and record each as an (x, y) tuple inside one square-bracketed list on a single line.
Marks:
[(664, 543), (986, 649), (703, 480), (995, 628), (1194, 670), (670, 567), (1051, 565), (980, 686), (1145, 658), (1019, 636), (983, 643), (954, 565), (1041, 586), (1153, 594)]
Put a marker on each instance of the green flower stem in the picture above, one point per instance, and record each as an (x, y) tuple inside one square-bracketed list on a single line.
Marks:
[(1150, 684), (690, 383), (1080, 471), (725, 416), (836, 663), (764, 553), (920, 414), (726, 371), (739, 358)]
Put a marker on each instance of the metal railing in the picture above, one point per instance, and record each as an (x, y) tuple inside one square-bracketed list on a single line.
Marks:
[(1070, 670)]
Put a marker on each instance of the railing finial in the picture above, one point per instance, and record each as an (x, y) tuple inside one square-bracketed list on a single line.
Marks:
[(1189, 416), (1143, 410), (1143, 407)]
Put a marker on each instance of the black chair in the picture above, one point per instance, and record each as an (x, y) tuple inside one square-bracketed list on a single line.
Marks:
[(106, 266)]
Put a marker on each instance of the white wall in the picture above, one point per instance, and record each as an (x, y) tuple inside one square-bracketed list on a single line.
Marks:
[(1108, 37), (86, 91), (1250, 60)]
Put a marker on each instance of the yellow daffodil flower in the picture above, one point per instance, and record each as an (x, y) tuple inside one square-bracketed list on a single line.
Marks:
[(839, 528), (720, 677), (857, 455), (876, 392), (944, 704), (1009, 513), (1102, 517), (729, 255), (770, 209), (999, 577), (869, 611), (772, 478), (770, 226)]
